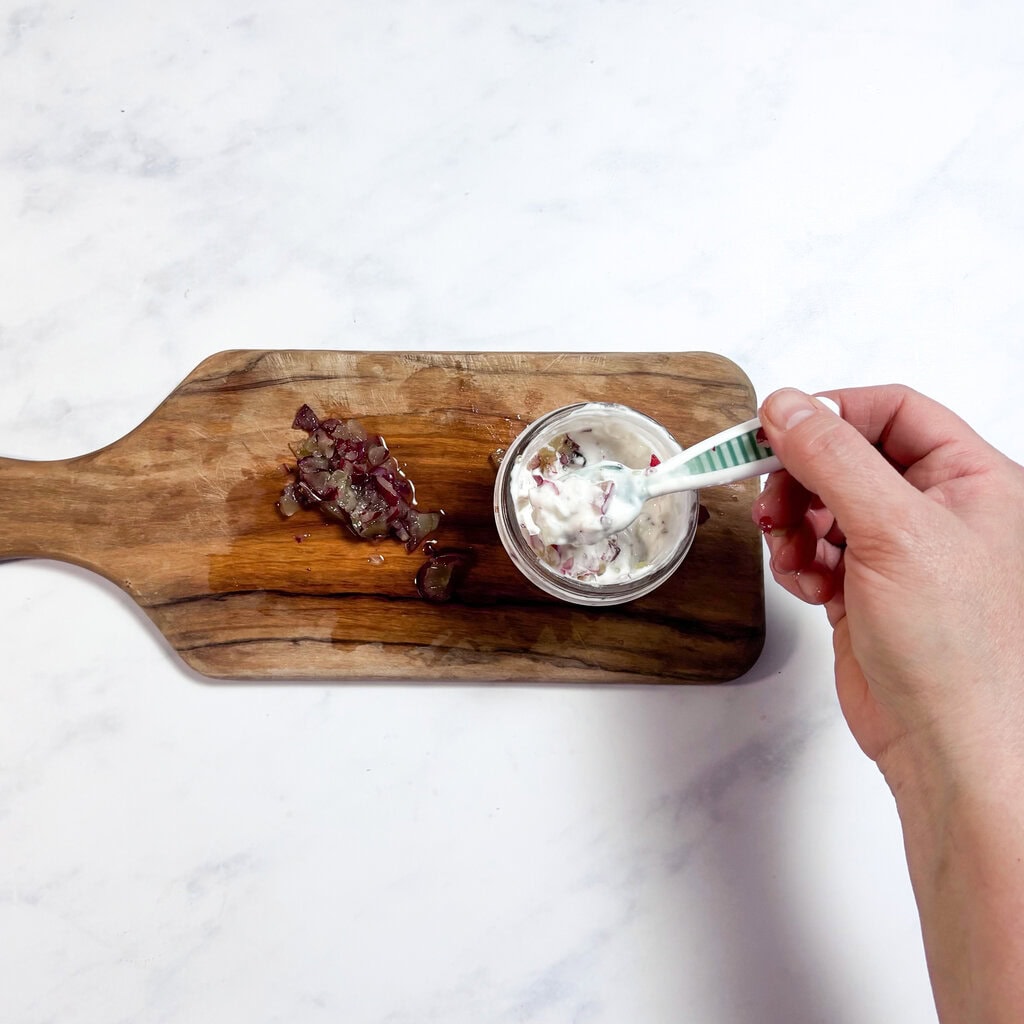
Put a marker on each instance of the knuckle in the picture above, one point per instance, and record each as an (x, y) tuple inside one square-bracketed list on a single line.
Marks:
[(824, 438)]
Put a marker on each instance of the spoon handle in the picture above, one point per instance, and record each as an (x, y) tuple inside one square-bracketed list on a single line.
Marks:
[(734, 454)]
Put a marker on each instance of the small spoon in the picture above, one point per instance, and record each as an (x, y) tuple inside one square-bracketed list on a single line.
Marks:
[(617, 494)]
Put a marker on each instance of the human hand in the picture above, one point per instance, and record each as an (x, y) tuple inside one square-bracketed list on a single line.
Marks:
[(909, 529)]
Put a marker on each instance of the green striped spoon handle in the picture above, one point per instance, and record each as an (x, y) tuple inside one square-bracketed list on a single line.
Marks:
[(735, 454)]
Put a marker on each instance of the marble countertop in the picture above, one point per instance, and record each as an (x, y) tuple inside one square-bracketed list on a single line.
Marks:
[(827, 194)]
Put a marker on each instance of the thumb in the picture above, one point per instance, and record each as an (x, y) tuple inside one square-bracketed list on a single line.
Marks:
[(831, 458)]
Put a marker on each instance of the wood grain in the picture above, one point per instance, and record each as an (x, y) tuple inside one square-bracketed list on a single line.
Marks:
[(180, 514)]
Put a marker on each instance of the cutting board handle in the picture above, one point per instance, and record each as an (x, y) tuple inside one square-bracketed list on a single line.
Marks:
[(41, 512)]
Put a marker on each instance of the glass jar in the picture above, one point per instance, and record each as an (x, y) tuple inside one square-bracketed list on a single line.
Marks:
[(640, 558)]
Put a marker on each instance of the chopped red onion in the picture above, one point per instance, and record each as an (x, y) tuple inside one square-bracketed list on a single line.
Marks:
[(350, 475)]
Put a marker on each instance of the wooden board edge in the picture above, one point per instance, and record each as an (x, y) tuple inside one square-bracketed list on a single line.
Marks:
[(464, 668)]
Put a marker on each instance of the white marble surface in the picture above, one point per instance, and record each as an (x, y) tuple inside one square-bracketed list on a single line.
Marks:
[(829, 194)]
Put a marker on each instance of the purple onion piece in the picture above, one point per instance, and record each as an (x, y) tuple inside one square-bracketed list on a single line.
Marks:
[(306, 419), (349, 474), (440, 575)]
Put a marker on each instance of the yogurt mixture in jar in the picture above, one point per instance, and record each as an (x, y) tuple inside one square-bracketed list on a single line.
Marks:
[(551, 505)]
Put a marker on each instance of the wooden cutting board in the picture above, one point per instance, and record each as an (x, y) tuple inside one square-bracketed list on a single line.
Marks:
[(181, 514)]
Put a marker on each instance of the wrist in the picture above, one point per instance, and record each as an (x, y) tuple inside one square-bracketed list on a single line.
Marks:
[(963, 828), (967, 762)]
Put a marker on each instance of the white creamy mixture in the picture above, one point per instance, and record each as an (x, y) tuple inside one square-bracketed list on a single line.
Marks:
[(551, 504)]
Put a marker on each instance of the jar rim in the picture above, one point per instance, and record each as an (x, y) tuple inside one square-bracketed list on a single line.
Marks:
[(544, 576)]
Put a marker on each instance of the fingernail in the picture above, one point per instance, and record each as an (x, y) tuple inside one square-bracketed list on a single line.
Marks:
[(787, 408)]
